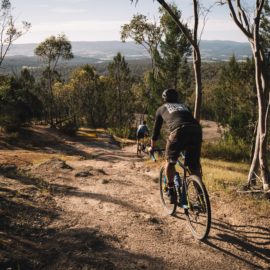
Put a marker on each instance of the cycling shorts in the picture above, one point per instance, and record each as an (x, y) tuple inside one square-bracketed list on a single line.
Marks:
[(189, 139)]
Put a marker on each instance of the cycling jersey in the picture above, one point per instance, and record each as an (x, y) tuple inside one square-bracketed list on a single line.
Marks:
[(175, 115), (142, 129)]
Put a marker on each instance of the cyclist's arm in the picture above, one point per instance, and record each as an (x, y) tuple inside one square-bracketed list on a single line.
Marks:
[(157, 126)]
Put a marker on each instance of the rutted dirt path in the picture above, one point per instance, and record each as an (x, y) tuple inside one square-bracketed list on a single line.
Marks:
[(101, 210)]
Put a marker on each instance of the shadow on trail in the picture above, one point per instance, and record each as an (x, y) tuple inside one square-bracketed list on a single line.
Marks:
[(250, 243), (28, 242), (65, 190)]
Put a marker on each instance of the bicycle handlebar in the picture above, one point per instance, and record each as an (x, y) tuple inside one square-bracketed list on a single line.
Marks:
[(153, 151)]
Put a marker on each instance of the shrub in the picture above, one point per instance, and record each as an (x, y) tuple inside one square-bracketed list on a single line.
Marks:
[(124, 132), (227, 149), (69, 128)]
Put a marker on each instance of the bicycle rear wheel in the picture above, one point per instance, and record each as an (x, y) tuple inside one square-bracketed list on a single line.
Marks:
[(139, 149), (198, 213), (169, 204)]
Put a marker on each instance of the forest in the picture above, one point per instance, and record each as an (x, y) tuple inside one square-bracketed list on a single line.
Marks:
[(69, 99), (115, 97)]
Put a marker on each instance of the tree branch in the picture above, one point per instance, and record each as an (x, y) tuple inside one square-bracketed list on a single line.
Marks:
[(236, 20), (180, 25), (243, 14)]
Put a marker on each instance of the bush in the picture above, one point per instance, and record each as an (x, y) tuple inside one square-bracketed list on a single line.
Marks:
[(69, 128), (227, 149), (125, 132)]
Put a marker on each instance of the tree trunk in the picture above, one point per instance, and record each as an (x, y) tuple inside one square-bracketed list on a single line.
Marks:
[(255, 159), (198, 80), (262, 118)]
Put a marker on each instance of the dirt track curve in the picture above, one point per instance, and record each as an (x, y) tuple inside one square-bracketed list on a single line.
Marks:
[(107, 215)]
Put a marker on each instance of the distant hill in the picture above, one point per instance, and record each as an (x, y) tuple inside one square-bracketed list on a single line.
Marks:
[(217, 50), (106, 50), (100, 52)]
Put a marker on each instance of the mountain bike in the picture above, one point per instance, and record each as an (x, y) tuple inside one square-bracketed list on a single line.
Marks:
[(189, 194), (141, 147)]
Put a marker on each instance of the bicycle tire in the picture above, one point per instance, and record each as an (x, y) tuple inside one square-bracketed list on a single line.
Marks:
[(165, 200), (139, 150), (198, 213)]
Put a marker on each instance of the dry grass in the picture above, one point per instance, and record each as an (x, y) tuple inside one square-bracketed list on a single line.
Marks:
[(224, 179), (224, 175)]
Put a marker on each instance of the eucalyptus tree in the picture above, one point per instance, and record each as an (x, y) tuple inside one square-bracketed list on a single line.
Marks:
[(194, 38), (51, 50), (174, 48), (252, 27), (143, 32), (9, 31)]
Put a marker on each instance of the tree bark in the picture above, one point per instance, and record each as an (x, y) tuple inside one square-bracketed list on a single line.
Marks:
[(196, 52)]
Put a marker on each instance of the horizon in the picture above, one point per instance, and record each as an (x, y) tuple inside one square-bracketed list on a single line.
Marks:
[(78, 41), (85, 20)]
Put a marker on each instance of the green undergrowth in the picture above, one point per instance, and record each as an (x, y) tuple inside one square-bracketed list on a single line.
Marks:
[(228, 149)]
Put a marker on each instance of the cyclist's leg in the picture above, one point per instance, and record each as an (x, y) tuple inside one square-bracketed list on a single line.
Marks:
[(193, 151), (173, 148), (170, 172), (139, 136)]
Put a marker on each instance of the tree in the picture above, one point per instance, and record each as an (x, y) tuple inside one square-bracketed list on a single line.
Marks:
[(194, 40), (51, 51), (252, 29), (120, 95), (143, 32), (235, 89), (18, 103), (9, 32), (85, 84), (174, 47)]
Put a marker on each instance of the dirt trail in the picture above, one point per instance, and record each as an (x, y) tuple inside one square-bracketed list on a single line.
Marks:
[(101, 210)]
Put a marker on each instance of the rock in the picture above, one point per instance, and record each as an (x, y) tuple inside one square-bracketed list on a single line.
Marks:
[(55, 163), (105, 181), (7, 168), (154, 220), (84, 173)]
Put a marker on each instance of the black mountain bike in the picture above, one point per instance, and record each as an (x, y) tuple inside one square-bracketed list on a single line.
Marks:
[(141, 147), (190, 195)]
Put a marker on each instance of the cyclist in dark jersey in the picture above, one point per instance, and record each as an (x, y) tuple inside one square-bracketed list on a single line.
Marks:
[(185, 134), (142, 131)]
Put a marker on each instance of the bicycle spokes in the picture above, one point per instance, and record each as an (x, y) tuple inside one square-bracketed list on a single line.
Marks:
[(198, 213), (168, 195)]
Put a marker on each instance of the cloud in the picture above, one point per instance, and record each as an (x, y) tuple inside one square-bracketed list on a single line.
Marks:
[(68, 10), (84, 30), (72, 1), (84, 25), (222, 30)]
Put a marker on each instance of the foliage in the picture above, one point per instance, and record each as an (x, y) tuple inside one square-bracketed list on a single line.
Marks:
[(18, 103), (51, 51), (174, 48), (227, 149), (238, 106), (9, 32), (69, 127), (143, 32), (120, 96)]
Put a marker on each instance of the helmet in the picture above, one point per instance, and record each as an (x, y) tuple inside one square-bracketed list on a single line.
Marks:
[(170, 95)]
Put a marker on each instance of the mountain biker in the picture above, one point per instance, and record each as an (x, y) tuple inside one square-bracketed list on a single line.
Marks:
[(185, 135), (142, 131)]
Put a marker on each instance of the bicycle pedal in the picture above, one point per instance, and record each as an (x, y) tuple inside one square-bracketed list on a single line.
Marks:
[(184, 206)]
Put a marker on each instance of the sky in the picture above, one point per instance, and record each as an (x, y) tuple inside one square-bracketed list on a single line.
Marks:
[(101, 20)]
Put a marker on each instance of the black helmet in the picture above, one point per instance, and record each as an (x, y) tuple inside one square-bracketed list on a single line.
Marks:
[(170, 95)]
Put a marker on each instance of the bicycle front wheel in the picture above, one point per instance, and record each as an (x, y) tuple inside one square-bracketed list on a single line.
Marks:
[(198, 212), (169, 201)]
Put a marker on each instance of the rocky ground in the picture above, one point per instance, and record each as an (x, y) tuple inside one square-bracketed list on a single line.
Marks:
[(84, 203)]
